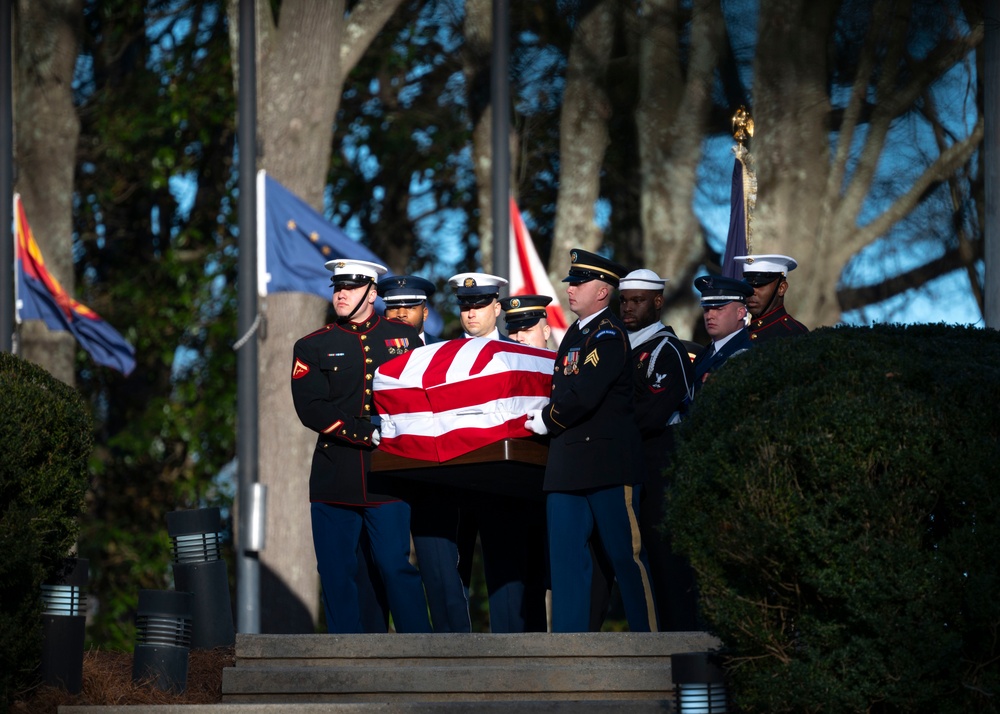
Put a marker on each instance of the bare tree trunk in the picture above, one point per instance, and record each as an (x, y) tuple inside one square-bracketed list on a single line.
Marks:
[(46, 131), (791, 149), (583, 136), (671, 122), (302, 62), (478, 29)]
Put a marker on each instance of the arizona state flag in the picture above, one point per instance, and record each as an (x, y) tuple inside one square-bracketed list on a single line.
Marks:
[(41, 297)]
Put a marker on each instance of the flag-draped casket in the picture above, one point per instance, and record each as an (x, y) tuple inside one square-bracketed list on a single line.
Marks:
[(444, 400)]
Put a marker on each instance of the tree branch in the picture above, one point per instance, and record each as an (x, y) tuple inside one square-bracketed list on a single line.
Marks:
[(946, 163), (365, 21), (859, 297)]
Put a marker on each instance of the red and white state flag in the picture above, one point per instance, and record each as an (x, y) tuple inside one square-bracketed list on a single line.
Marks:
[(447, 399), (528, 276)]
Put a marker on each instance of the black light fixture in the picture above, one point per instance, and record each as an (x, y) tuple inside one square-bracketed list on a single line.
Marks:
[(163, 639), (64, 624), (199, 569), (699, 681)]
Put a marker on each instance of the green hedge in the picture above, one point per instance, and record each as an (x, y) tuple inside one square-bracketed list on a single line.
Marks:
[(838, 495), (45, 439)]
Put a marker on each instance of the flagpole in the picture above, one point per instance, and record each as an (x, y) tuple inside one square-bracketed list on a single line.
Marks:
[(6, 177), (247, 561), (500, 103)]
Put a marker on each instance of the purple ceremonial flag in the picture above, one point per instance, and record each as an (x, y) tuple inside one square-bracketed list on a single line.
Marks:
[(736, 242)]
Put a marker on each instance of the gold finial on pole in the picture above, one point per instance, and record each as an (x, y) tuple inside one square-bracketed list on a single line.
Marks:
[(742, 125)]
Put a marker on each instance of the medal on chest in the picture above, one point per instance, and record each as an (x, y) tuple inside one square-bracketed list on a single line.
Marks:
[(571, 362)]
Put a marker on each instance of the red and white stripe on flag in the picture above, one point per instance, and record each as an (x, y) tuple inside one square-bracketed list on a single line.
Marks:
[(447, 399), (528, 276)]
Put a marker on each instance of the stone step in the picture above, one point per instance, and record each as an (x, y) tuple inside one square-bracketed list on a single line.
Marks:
[(610, 706), (541, 667)]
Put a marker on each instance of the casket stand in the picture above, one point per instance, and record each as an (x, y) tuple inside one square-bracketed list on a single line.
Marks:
[(511, 467)]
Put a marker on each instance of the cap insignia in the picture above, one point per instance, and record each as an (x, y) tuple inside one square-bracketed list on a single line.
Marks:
[(340, 264), (573, 256), (469, 283), (515, 303)]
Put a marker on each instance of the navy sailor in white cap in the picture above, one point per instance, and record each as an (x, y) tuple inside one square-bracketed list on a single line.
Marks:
[(664, 381), (768, 276), (331, 385)]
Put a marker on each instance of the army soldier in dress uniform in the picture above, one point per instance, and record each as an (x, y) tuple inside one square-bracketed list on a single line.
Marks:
[(664, 382), (331, 389), (723, 301), (768, 275), (526, 319), (594, 472)]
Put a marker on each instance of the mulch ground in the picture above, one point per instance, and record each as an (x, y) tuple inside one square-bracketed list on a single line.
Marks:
[(107, 680)]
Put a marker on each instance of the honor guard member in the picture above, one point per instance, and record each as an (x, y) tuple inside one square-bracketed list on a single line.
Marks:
[(526, 320), (511, 560), (434, 512), (664, 382), (723, 301), (594, 471), (405, 298), (768, 276), (331, 388)]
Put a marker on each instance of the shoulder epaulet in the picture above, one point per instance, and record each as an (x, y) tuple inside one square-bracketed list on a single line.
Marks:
[(320, 331), (605, 329)]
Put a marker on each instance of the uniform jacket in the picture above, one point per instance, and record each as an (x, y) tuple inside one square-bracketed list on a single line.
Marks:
[(776, 323), (705, 364), (663, 377), (595, 441), (332, 391)]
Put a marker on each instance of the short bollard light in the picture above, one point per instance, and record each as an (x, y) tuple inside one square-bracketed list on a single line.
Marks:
[(199, 569), (163, 639), (64, 624), (699, 682)]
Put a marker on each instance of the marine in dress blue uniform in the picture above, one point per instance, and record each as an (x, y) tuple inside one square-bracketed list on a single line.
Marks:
[(664, 383), (434, 515), (767, 274), (725, 313), (331, 389), (594, 471)]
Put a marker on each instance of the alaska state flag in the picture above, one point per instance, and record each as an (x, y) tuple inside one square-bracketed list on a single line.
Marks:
[(294, 242), (41, 297)]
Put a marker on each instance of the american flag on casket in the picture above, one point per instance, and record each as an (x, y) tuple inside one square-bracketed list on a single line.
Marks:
[(447, 399)]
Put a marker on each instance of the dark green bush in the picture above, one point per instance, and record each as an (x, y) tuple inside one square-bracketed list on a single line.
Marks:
[(839, 497), (45, 440)]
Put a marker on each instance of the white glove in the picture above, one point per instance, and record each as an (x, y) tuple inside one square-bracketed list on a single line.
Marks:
[(535, 424), (387, 427), (376, 437)]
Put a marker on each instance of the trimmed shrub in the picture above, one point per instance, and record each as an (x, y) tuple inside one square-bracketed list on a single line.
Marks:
[(45, 438), (838, 495)]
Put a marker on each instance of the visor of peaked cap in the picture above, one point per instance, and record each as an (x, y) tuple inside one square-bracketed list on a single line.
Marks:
[(476, 285), (584, 266), (405, 290), (523, 311), (717, 290), (354, 272), (642, 279)]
